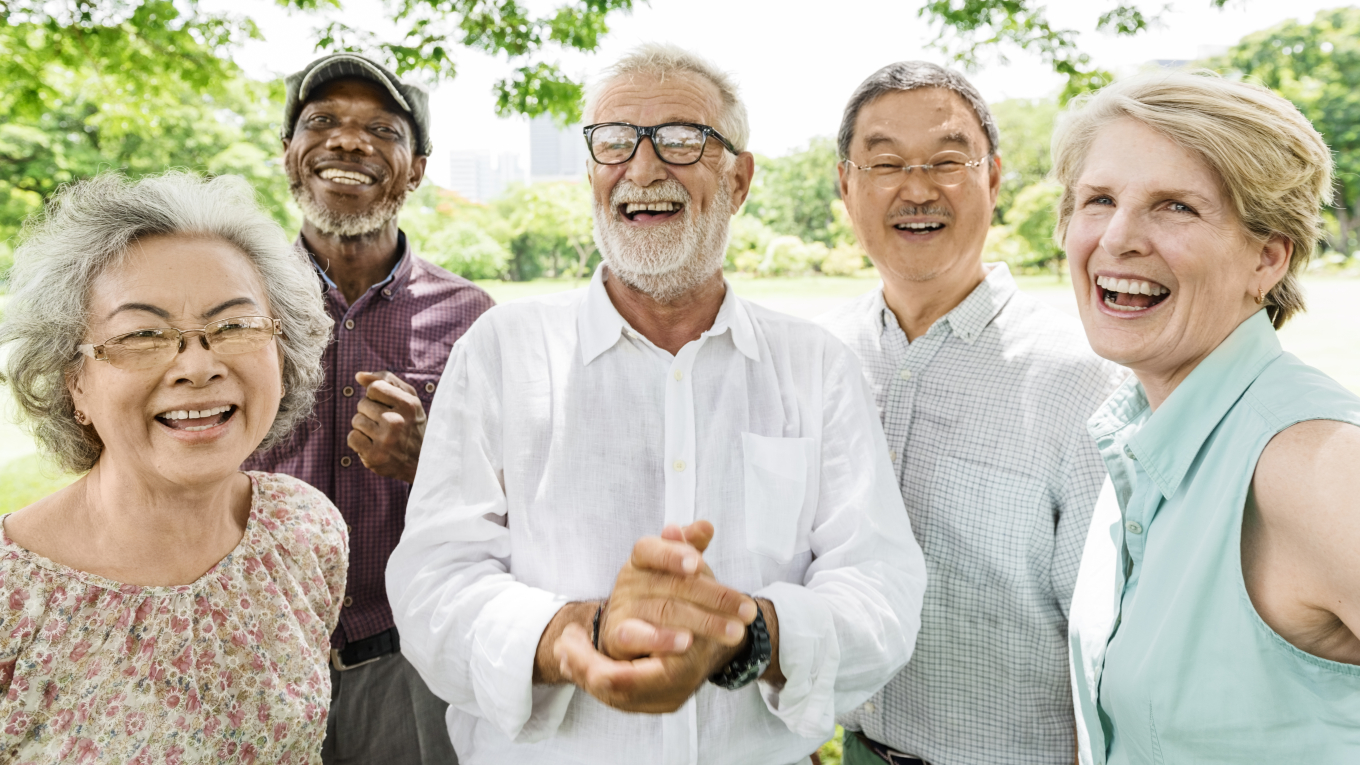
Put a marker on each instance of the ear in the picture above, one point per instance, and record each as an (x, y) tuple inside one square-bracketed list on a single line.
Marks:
[(844, 182), (1273, 261), (994, 177), (743, 171), (75, 385), (286, 143), (417, 172)]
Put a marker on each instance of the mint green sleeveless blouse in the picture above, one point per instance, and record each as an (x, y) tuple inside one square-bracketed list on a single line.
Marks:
[(1184, 670)]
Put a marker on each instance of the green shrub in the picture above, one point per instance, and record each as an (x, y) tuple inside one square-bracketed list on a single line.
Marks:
[(464, 249)]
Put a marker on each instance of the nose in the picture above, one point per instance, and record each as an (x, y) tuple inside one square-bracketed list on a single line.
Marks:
[(349, 138), (917, 188), (1123, 235), (196, 364), (645, 168)]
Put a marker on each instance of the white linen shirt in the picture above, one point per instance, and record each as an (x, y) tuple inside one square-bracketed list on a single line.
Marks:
[(560, 436)]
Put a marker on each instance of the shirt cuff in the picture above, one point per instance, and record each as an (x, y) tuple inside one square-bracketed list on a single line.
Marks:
[(505, 644), (809, 656)]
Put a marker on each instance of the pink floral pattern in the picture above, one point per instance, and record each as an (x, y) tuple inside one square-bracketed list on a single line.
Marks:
[(229, 669)]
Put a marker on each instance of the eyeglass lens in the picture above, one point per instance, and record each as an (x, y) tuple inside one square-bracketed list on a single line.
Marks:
[(888, 171), (150, 347), (675, 144)]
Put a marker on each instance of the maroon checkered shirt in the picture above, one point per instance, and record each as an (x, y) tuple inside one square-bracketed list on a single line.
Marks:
[(405, 324)]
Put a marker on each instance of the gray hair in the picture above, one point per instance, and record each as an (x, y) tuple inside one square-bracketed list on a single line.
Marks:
[(911, 75), (662, 60), (88, 229)]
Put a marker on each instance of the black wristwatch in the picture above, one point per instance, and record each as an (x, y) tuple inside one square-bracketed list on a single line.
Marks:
[(749, 664)]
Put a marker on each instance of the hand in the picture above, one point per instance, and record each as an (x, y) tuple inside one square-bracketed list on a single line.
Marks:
[(389, 427), (666, 596)]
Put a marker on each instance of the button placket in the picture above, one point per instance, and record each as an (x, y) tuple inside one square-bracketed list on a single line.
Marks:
[(680, 436)]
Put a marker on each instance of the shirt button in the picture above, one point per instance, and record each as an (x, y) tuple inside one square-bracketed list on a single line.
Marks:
[(869, 707), (345, 461), (678, 375), (348, 391), (679, 465), (387, 292), (1134, 527), (349, 529), (348, 601), (905, 374), (429, 387), (1128, 452), (892, 454), (349, 323)]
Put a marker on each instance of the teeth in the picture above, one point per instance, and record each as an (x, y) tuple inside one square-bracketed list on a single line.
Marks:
[(920, 226), (633, 207), (192, 414), (345, 177), (1131, 286)]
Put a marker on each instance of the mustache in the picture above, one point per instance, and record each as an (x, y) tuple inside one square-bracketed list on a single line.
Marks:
[(911, 211), (668, 190)]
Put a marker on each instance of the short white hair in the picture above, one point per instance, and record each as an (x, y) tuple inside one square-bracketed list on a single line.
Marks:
[(662, 60)]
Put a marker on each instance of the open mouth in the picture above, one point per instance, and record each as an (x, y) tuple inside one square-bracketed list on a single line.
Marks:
[(195, 420), (647, 212), (920, 227), (1130, 295), (346, 177)]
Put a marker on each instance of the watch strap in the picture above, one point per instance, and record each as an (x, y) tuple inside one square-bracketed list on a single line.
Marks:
[(750, 664)]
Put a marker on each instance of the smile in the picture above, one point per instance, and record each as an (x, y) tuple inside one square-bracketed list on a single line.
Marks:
[(644, 212), (346, 177), (1131, 296), (919, 227), (196, 420)]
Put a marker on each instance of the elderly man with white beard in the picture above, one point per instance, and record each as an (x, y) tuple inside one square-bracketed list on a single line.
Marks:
[(649, 496)]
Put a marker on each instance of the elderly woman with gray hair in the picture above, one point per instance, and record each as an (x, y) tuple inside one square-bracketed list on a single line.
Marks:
[(165, 607), (1231, 529)]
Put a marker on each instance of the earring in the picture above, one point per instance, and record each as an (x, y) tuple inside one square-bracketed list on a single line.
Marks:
[(283, 390), (81, 418), (1260, 296)]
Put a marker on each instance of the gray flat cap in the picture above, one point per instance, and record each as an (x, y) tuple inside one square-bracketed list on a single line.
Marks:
[(337, 66)]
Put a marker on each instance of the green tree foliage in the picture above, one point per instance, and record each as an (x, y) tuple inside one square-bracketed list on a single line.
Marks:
[(1316, 65), (1032, 219), (969, 30), (547, 227), (793, 194), (1025, 127)]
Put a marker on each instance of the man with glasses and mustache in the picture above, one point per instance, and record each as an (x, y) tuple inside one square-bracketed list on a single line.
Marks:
[(984, 394), (356, 139), (649, 496)]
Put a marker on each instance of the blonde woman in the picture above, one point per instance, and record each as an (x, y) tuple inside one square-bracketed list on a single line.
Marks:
[(1190, 206), (165, 607)]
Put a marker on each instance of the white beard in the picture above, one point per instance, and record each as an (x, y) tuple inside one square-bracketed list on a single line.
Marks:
[(327, 221), (668, 260)]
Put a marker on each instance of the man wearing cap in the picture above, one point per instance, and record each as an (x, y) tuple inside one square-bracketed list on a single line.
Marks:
[(356, 139)]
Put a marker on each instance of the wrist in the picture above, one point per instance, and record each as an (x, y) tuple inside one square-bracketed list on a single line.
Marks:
[(547, 670)]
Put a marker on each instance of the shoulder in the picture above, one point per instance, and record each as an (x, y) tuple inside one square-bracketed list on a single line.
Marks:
[(537, 313), (298, 516), (1053, 349), (854, 320), (431, 282), (27, 588), (1289, 391)]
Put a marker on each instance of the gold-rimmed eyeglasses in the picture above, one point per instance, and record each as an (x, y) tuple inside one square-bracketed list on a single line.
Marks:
[(154, 346), (948, 168)]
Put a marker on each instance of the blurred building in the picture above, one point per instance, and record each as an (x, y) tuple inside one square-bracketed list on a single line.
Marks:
[(477, 178), (555, 153)]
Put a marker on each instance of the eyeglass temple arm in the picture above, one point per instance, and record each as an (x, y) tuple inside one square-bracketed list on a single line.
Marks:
[(95, 352)]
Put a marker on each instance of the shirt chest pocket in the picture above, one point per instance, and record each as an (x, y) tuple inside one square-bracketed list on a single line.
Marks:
[(780, 478)]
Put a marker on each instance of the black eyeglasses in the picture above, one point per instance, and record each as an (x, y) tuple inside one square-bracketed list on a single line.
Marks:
[(676, 143)]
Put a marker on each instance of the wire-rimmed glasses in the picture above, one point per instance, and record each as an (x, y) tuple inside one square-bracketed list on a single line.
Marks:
[(948, 168), (155, 346), (676, 143)]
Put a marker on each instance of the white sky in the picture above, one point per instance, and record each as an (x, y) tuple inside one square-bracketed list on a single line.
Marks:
[(796, 61)]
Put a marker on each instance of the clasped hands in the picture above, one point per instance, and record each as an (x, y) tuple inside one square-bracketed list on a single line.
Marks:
[(666, 627)]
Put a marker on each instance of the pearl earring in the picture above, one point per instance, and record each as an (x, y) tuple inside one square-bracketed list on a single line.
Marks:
[(81, 418), (1260, 296)]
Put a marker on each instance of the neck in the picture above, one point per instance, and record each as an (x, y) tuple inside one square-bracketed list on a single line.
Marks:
[(672, 324), (160, 533), (354, 263), (919, 303), (1160, 382)]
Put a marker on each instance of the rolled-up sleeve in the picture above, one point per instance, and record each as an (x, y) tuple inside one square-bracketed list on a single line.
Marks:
[(466, 624), (853, 623)]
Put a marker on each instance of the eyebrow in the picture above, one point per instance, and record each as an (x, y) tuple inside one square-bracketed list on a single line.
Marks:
[(956, 138), (164, 314)]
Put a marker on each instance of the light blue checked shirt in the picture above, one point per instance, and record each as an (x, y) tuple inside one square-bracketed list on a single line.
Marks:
[(985, 416)]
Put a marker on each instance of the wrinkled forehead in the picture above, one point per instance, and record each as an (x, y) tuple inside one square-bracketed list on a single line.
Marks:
[(921, 120), (651, 99)]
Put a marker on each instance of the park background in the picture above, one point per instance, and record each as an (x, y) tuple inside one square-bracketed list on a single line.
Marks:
[(140, 86)]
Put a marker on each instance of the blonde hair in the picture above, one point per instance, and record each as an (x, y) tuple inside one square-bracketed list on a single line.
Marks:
[(662, 60), (1273, 165)]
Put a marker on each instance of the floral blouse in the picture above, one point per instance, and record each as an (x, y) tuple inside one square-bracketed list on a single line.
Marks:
[(229, 669)]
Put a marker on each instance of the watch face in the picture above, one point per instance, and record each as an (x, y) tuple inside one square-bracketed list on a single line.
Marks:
[(750, 665)]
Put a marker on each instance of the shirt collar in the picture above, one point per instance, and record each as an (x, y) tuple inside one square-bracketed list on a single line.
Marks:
[(970, 317), (600, 324), (1172, 437), (396, 278)]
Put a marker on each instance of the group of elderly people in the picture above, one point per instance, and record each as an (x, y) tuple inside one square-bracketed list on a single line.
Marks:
[(649, 521)]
